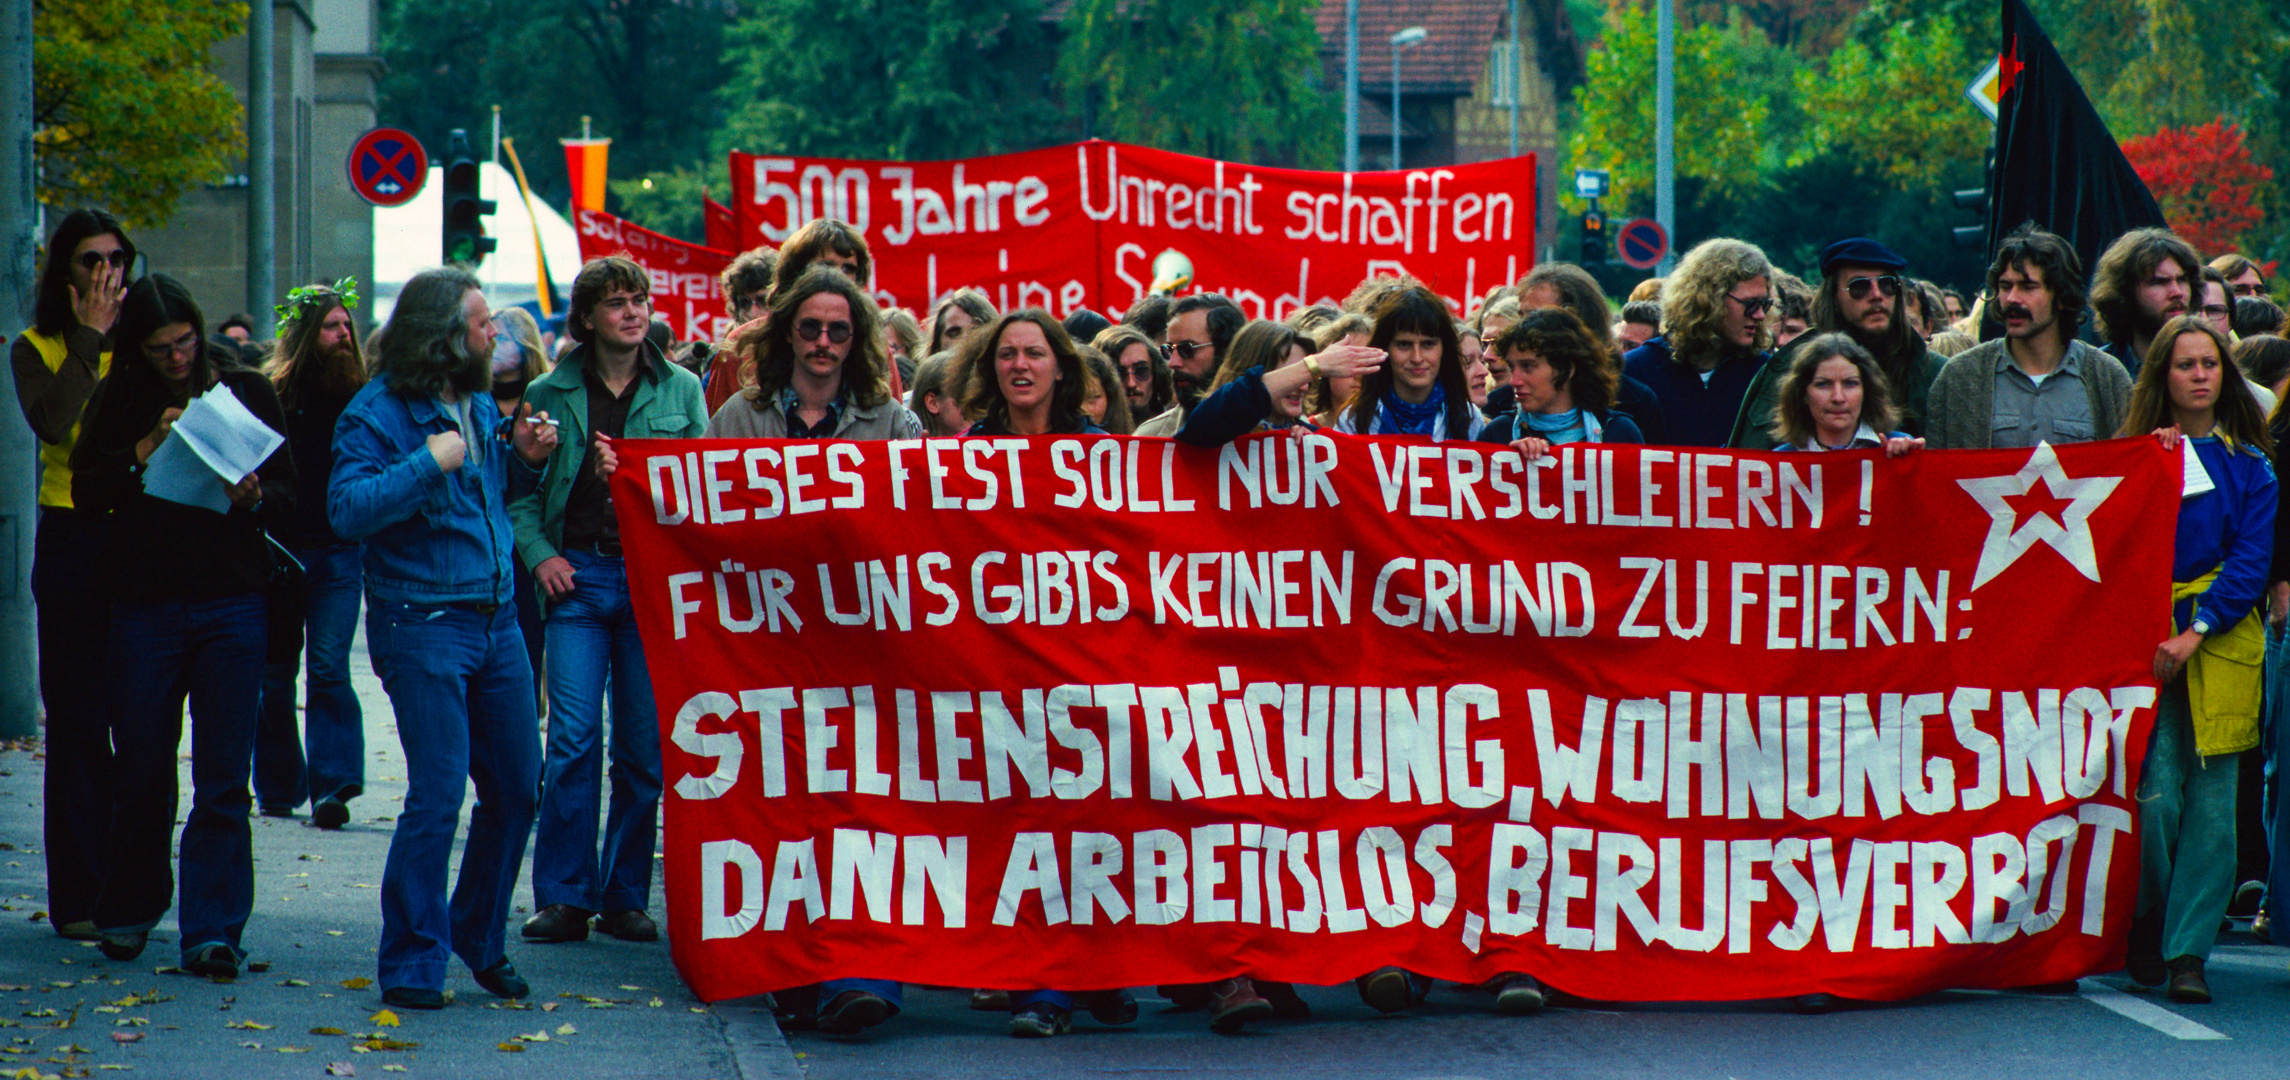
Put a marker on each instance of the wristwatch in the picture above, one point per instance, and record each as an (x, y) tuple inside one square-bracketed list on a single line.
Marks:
[(2199, 626)]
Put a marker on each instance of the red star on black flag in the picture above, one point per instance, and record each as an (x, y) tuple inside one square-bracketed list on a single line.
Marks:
[(2055, 164), (2008, 68)]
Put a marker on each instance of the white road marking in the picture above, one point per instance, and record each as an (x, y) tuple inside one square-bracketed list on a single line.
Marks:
[(2145, 1012)]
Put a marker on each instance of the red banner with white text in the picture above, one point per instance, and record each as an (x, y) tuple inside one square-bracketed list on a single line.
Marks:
[(1085, 225), (1646, 723), (685, 289)]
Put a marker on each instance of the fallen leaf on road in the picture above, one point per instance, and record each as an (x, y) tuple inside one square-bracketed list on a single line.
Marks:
[(126, 1036), (292, 1049), (333, 933), (359, 983), (295, 982), (510, 1048), (107, 1008), (249, 1025), (538, 1036), (251, 1045), (549, 1006), (386, 1018), (625, 986), (341, 1068), (389, 1044), (393, 1068), (327, 1031), (567, 1029)]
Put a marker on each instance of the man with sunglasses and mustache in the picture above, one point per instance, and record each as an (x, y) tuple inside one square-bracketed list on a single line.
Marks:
[(820, 372), (1201, 328), (2037, 383), (615, 382), (1864, 295)]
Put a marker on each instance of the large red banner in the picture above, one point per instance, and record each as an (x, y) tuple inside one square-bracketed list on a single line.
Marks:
[(1646, 723), (1083, 225), (685, 286)]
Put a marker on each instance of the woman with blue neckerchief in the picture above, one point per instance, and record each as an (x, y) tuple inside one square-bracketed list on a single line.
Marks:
[(1422, 390), (1562, 383), (1834, 397)]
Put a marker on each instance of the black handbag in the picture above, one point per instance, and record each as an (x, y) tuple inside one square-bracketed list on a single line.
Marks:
[(283, 592)]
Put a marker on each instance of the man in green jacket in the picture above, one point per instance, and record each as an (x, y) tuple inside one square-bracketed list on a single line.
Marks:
[(614, 384), (1862, 294)]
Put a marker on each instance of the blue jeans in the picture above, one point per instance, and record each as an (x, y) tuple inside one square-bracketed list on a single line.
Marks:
[(593, 648), (162, 652), (75, 690), (336, 725), (2275, 810), (463, 693)]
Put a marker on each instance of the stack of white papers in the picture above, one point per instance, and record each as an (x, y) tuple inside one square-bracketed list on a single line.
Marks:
[(215, 443)]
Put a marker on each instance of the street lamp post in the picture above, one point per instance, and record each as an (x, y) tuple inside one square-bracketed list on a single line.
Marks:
[(1351, 86), (1405, 39)]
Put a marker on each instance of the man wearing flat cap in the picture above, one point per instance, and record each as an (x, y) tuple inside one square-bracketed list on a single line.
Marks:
[(1862, 294)]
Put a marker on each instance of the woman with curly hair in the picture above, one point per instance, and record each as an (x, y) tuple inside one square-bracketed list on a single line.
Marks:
[(1026, 378), (1716, 327), (1564, 383)]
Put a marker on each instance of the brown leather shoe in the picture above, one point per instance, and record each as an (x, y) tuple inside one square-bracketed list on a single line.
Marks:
[(2187, 983), (990, 1000), (1235, 1002)]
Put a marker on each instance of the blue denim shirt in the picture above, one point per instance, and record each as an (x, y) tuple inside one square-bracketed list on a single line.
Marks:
[(431, 537)]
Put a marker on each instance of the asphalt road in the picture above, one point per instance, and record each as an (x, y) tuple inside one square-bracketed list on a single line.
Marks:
[(611, 1009)]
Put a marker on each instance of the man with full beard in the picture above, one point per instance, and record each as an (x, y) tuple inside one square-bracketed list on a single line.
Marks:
[(317, 370), (2037, 383), (2146, 278), (420, 476), (1201, 328), (1865, 296)]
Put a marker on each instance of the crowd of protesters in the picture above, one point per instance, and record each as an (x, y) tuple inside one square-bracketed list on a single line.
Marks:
[(448, 477)]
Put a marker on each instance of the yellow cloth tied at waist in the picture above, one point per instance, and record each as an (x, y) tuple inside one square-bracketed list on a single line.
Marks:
[(2224, 677)]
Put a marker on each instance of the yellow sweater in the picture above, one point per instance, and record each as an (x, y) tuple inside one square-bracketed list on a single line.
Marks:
[(56, 458)]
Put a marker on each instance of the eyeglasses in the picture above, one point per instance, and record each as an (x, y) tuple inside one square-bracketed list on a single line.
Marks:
[(1138, 372), (188, 343), (810, 329), (1184, 350), (1858, 288), (117, 257), (2217, 311), (1754, 307), (2249, 288)]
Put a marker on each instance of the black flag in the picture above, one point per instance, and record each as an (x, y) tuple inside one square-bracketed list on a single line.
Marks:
[(2055, 163)]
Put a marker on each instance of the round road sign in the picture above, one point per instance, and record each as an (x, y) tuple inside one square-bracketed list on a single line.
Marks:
[(387, 167), (1642, 243)]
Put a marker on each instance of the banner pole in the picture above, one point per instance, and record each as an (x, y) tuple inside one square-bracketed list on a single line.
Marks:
[(540, 257)]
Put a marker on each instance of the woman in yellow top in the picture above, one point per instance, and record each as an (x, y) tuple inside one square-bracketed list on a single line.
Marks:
[(57, 364)]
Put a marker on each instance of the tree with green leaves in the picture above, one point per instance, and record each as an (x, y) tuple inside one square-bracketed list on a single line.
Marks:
[(1231, 79), (909, 79), (1898, 107), (644, 71), (126, 114), (1719, 135)]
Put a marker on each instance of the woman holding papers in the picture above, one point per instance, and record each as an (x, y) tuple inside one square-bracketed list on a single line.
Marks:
[(186, 576), (2191, 396)]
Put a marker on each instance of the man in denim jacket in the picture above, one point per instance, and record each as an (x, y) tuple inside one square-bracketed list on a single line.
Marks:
[(420, 472)]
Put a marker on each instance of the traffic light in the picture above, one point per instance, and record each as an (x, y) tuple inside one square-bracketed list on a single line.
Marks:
[(1975, 200), (465, 241), (1595, 243)]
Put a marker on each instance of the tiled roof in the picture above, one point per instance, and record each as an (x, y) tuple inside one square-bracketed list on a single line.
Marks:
[(1449, 61)]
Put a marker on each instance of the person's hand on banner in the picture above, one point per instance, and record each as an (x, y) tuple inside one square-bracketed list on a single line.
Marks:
[(2168, 436), (1531, 447), (1901, 444), (607, 462)]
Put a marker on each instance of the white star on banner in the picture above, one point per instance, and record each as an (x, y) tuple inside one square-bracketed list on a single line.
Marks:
[(2070, 536)]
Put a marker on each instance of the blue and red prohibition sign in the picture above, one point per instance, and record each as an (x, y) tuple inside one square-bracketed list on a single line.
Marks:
[(387, 167)]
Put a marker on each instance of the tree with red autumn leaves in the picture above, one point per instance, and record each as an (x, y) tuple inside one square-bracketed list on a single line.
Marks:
[(2206, 181)]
